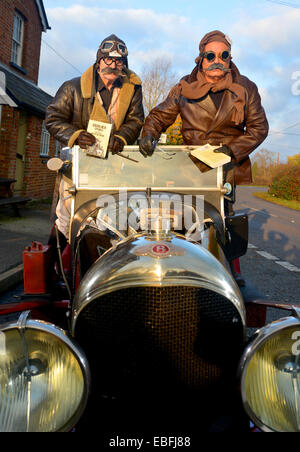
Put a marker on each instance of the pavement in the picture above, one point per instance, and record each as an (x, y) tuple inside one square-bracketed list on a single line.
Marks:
[(15, 234)]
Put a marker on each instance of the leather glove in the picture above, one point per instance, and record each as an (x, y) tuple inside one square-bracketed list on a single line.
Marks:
[(225, 149), (147, 145), (85, 139), (117, 145)]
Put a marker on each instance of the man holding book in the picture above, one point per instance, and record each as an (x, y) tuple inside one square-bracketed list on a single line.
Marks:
[(217, 105), (109, 96), (107, 92)]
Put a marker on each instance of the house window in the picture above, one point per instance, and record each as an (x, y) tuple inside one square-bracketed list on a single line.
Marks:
[(58, 147), (17, 42), (45, 140)]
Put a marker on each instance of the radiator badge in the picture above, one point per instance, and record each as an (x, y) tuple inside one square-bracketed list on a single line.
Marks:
[(159, 250)]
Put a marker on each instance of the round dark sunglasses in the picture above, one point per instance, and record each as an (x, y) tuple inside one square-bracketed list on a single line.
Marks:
[(211, 56)]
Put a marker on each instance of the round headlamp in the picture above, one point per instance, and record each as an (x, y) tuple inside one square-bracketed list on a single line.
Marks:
[(270, 377), (44, 378)]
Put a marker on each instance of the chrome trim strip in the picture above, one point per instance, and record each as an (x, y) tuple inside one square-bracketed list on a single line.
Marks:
[(198, 190)]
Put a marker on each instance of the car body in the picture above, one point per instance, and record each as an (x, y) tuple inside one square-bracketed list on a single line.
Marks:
[(146, 330)]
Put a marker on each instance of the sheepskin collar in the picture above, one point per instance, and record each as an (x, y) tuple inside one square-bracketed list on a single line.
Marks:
[(126, 93), (87, 80)]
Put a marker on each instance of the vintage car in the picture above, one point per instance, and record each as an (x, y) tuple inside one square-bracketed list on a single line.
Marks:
[(142, 327)]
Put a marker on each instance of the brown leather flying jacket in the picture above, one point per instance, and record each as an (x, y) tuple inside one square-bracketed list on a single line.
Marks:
[(202, 123), (76, 102)]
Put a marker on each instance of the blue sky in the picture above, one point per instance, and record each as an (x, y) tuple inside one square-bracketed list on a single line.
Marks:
[(265, 35)]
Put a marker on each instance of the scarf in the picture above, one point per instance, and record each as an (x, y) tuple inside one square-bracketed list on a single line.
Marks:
[(200, 87)]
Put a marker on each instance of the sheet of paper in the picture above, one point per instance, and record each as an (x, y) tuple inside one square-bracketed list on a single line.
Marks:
[(207, 155)]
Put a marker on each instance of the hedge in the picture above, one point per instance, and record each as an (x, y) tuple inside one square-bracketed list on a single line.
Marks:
[(286, 182)]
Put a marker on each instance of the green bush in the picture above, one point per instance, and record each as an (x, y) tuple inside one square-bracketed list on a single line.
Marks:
[(286, 182)]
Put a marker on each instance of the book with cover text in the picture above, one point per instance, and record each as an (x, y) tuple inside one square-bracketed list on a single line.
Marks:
[(101, 132)]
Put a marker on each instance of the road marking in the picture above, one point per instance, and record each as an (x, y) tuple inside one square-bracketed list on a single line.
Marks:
[(260, 211), (285, 264), (267, 255), (288, 266)]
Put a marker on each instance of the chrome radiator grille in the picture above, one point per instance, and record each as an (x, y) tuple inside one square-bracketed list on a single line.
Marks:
[(157, 340)]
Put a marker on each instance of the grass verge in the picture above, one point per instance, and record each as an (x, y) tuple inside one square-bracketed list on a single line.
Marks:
[(282, 202)]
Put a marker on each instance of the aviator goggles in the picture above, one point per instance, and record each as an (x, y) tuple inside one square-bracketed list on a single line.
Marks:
[(109, 46), (110, 60), (211, 55)]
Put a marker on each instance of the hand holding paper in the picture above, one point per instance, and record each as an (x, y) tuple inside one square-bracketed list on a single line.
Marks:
[(225, 150), (212, 156)]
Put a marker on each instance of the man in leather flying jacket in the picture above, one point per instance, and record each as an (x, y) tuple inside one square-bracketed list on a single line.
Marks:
[(217, 105), (108, 92)]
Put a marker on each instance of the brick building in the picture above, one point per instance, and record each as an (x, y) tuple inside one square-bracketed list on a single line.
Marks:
[(25, 145)]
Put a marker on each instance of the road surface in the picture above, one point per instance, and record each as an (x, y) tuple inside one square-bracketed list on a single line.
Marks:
[(272, 263)]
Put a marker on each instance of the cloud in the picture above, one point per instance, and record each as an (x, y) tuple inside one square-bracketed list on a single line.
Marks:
[(269, 46), (274, 33), (78, 30), (141, 23), (265, 47)]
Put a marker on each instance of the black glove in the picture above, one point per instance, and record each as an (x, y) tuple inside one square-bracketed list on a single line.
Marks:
[(225, 149), (85, 139), (117, 145), (147, 145)]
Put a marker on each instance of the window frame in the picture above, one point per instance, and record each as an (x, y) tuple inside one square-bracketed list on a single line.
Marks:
[(17, 39), (45, 141), (58, 147)]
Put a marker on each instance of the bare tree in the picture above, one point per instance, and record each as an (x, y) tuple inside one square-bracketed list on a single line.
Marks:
[(265, 163), (158, 78), (264, 159)]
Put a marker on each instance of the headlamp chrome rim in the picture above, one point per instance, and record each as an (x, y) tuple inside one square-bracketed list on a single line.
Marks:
[(75, 349), (261, 336)]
